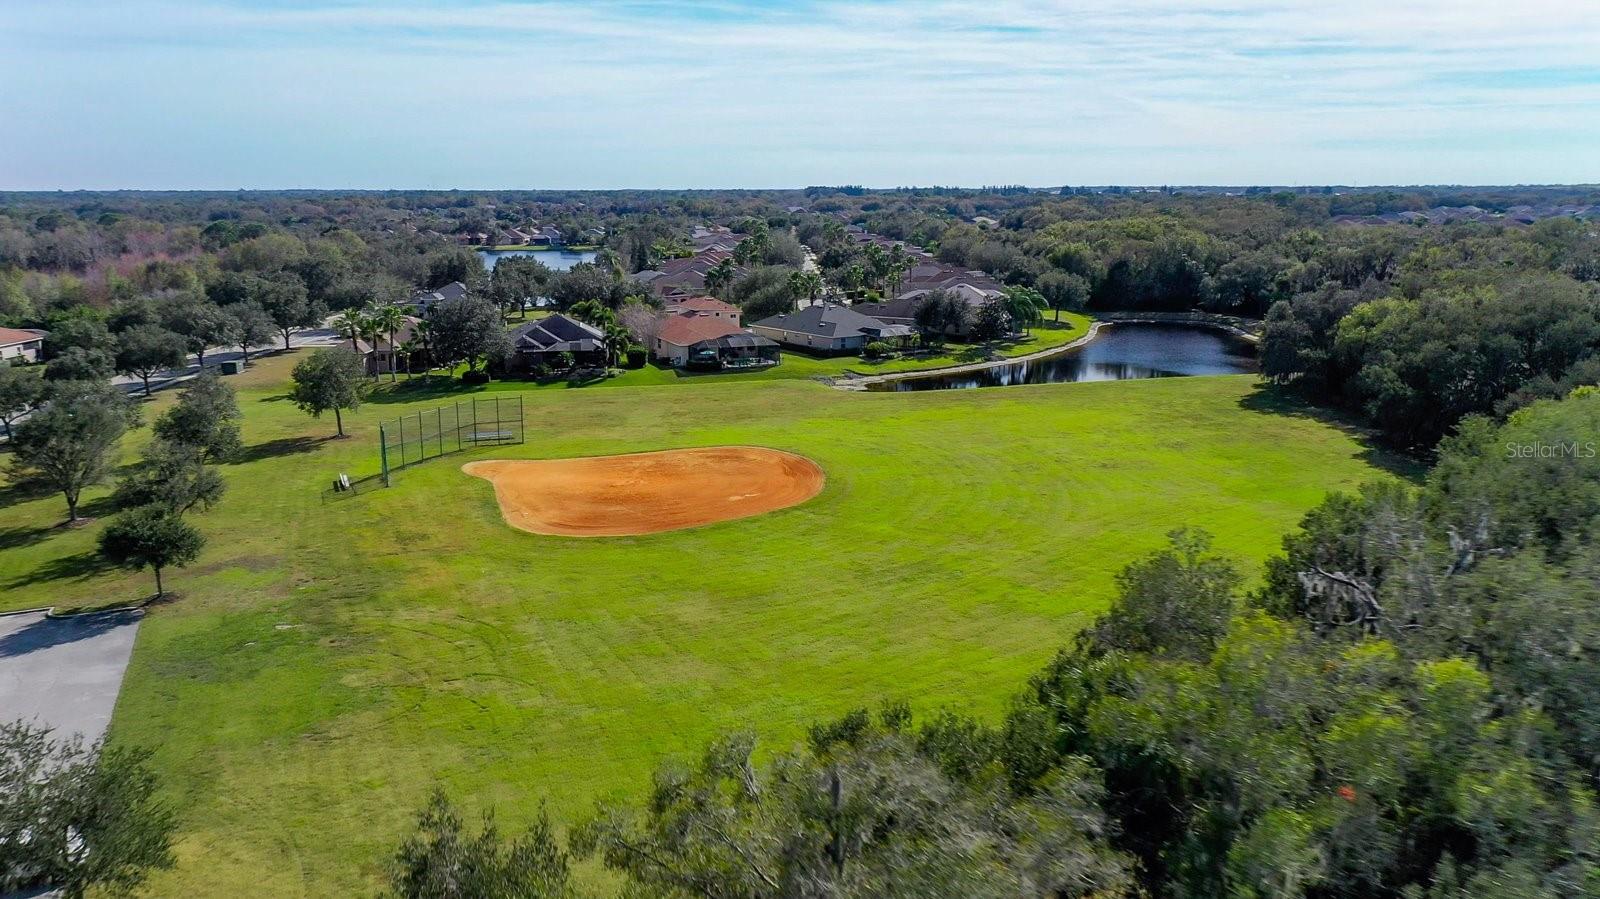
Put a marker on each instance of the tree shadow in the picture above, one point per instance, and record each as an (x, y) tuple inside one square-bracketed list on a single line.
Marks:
[(283, 446), (18, 537), (79, 566), (48, 632), (1273, 399), (23, 491), (277, 398), (422, 388)]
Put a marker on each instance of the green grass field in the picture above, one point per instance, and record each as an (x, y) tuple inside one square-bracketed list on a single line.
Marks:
[(327, 662)]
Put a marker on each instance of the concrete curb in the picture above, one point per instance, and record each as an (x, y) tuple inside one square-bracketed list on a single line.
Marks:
[(51, 613)]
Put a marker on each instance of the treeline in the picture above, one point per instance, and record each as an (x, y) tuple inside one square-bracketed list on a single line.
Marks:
[(1408, 708)]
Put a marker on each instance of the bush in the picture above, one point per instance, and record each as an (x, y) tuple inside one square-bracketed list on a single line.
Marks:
[(474, 377), (877, 350), (636, 356)]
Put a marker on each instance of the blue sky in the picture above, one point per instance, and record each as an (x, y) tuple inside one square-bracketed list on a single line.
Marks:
[(221, 94)]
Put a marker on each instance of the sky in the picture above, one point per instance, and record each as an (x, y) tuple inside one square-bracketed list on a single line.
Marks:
[(471, 94)]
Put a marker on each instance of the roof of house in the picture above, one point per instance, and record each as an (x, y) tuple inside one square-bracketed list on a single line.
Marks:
[(455, 290), (689, 328), (14, 336), (827, 320), (701, 304), (557, 334)]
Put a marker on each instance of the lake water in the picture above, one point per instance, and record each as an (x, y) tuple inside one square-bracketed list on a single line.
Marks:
[(559, 260), (1119, 352)]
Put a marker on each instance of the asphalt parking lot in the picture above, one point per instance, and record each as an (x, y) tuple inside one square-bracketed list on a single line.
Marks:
[(64, 673)]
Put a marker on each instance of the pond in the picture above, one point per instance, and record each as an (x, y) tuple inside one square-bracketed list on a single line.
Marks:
[(1118, 352), (560, 260)]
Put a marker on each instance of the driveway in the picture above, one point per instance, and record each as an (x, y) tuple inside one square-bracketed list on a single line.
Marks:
[(64, 673)]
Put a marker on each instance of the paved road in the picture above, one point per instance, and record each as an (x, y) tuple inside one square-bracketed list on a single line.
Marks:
[(64, 673), (217, 355)]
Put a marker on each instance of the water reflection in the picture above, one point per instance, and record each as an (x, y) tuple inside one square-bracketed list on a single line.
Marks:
[(1120, 352)]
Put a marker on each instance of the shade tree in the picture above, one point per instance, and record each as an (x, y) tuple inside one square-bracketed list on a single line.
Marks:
[(151, 536), (143, 351), (68, 442), (21, 389), (329, 380), (205, 418)]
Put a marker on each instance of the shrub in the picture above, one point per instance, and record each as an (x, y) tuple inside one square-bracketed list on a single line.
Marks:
[(635, 357), (474, 377), (877, 350)]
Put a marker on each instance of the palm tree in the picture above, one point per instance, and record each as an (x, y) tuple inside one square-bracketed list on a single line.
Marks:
[(372, 329), (811, 284), (1025, 306), (617, 341), (608, 259), (390, 319), (349, 324), (720, 276)]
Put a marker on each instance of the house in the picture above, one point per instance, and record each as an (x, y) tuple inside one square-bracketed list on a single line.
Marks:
[(21, 343), (685, 276), (705, 306), (383, 357), (424, 300), (827, 328), (545, 236), (716, 338), (902, 310), (536, 345)]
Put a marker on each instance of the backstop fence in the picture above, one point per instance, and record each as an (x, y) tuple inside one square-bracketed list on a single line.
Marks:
[(431, 433)]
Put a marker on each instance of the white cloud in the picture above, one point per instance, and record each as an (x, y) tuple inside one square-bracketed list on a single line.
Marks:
[(566, 93)]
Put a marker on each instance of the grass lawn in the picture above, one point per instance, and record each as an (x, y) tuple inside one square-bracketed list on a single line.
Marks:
[(328, 662)]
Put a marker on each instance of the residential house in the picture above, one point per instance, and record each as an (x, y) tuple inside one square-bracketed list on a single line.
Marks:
[(902, 310), (827, 328), (384, 357), (537, 344), (545, 236), (709, 341), (424, 300), (26, 344), (704, 306)]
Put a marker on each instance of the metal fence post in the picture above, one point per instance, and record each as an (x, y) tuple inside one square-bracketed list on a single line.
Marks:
[(383, 453)]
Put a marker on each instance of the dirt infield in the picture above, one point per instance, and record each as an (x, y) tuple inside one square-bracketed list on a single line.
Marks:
[(646, 493)]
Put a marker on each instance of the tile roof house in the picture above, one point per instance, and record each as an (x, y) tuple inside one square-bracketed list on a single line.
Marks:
[(21, 343), (536, 343), (828, 328), (705, 306), (688, 336)]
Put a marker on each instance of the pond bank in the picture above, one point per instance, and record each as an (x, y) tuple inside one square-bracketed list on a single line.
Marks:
[(865, 382)]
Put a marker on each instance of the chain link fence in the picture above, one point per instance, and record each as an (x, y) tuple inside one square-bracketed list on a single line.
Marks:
[(431, 433)]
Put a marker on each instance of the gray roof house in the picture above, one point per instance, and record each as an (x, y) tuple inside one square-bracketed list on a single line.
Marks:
[(827, 328), (534, 343), (423, 300)]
